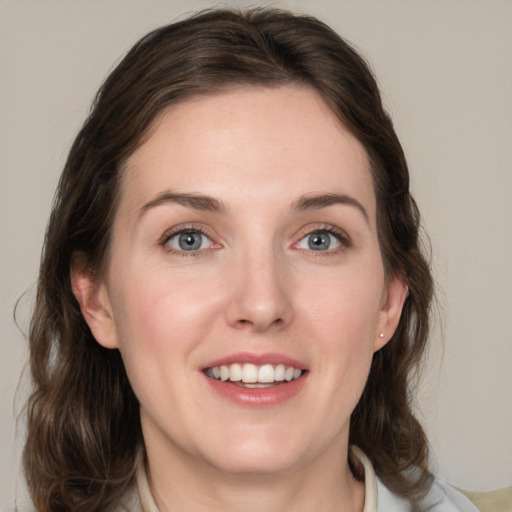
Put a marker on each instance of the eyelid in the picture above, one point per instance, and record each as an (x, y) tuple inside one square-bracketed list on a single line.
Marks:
[(184, 228), (341, 235)]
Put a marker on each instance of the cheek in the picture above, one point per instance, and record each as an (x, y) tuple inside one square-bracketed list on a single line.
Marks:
[(158, 323), (158, 311), (342, 315), (346, 305)]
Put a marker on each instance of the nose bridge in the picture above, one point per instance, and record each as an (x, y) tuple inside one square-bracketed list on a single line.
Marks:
[(260, 295)]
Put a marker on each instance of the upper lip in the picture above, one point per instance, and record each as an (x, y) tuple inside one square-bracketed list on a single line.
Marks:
[(258, 359)]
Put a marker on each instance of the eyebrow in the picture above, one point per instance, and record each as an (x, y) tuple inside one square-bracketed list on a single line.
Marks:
[(195, 201), (208, 203), (313, 202)]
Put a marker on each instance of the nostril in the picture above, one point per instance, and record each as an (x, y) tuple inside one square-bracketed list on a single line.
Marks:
[(242, 323)]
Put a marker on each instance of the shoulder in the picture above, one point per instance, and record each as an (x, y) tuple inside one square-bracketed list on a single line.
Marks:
[(130, 502), (138, 498), (440, 498)]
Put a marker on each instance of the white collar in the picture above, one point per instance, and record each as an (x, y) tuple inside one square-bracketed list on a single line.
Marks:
[(370, 480), (370, 484), (146, 498)]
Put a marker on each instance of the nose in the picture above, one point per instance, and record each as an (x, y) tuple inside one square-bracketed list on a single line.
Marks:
[(261, 294)]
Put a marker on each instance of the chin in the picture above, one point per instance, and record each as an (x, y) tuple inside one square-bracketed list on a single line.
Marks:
[(268, 464), (260, 451)]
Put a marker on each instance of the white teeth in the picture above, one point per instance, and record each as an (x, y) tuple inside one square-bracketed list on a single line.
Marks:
[(279, 372), (235, 372), (266, 373), (224, 373), (251, 374)]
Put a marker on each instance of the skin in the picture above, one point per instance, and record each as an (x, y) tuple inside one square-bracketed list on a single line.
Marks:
[(255, 286)]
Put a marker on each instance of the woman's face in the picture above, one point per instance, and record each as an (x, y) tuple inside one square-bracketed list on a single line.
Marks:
[(244, 245)]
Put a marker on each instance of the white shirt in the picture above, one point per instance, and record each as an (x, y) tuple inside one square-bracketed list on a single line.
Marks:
[(378, 498)]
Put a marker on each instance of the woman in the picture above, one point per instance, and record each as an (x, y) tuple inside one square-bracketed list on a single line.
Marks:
[(232, 296)]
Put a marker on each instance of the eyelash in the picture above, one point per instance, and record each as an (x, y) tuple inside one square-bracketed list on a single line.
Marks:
[(337, 233), (179, 230)]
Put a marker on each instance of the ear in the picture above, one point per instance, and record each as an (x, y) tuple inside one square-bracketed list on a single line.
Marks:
[(92, 295), (389, 314)]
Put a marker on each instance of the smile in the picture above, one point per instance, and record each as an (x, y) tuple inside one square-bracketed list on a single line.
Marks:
[(247, 374)]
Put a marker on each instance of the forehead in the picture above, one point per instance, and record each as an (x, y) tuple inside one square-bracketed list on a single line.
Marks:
[(256, 140)]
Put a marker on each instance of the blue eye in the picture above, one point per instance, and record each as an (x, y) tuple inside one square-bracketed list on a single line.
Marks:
[(319, 241), (189, 241)]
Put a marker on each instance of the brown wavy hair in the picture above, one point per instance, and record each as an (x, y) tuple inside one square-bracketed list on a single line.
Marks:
[(83, 417)]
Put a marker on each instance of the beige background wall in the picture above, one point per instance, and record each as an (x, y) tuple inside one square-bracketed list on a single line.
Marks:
[(446, 72)]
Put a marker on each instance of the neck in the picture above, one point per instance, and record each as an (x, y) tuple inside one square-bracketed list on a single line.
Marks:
[(324, 484)]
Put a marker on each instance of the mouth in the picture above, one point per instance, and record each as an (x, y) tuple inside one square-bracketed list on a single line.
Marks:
[(250, 375)]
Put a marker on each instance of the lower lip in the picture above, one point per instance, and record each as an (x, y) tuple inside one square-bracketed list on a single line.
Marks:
[(257, 397)]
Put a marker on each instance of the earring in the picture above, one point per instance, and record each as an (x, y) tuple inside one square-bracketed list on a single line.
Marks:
[(381, 335)]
